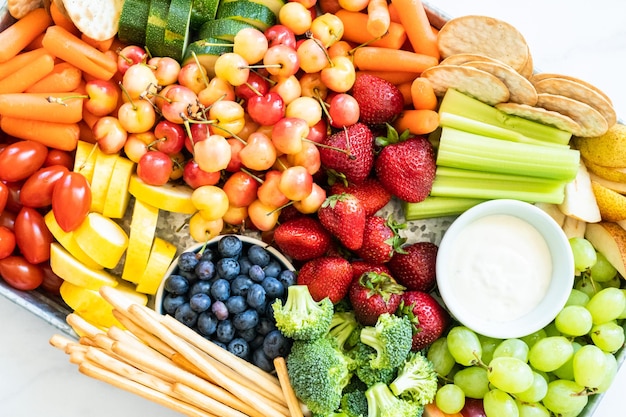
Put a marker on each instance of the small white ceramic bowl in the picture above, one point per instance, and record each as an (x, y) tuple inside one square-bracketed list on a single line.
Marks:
[(505, 268)]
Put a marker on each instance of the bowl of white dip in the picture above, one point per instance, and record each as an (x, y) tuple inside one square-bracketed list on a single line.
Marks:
[(505, 268)]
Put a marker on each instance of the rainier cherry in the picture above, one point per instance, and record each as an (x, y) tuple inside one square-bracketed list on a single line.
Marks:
[(193, 76), (110, 134), (251, 44), (281, 60), (232, 67), (288, 133), (211, 201), (343, 110), (269, 193), (218, 89), (259, 154), (165, 69), (170, 137), (130, 55), (196, 177), (312, 202), (280, 34), (288, 88), (296, 17), (201, 229), (266, 109), (241, 189), (296, 183), (154, 168), (212, 154), (263, 216), (306, 108)]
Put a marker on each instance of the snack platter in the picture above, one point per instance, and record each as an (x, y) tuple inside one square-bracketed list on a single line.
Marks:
[(54, 311)]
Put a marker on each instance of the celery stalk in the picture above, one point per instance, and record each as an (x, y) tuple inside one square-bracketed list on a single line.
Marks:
[(438, 207), (459, 104)]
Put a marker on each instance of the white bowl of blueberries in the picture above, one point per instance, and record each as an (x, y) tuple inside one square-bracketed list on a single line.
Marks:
[(224, 290)]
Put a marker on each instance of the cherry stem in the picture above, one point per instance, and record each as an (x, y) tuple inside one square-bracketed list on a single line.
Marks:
[(309, 35), (61, 100), (205, 79)]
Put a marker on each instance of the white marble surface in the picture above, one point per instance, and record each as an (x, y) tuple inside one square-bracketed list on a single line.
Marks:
[(580, 38)]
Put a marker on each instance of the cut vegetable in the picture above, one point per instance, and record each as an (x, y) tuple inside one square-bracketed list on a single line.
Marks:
[(438, 207), (155, 28), (176, 35), (206, 51), (224, 29), (256, 14), (133, 21), (273, 5), (202, 11)]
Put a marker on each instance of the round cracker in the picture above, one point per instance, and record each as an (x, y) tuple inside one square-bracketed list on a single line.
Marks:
[(543, 75), (529, 67), (520, 89), (541, 115), (460, 59), (479, 84), (580, 92), (486, 36), (591, 121), (97, 19), (20, 8)]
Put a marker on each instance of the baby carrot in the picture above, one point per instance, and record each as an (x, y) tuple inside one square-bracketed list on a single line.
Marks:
[(378, 19), (35, 44), (60, 19), (405, 90), (387, 59), (102, 46), (28, 75), (17, 36), (63, 136), (20, 60), (423, 95), (418, 29), (394, 77), (394, 16), (354, 22), (418, 122), (36, 106), (63, 78)]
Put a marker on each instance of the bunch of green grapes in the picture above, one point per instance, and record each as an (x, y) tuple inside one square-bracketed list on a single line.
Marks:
[(553, 371)]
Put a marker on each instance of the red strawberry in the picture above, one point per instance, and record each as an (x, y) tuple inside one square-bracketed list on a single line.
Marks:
[(406, 165), (414, 267), (302, 238), (381, 239), (374, 294), (344, 217), (326, 276), (379, 100), (429, 317), (371, 192), (359, 267), (349, 153)]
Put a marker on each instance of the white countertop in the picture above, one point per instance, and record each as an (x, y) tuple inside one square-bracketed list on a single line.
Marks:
[(586, 39)]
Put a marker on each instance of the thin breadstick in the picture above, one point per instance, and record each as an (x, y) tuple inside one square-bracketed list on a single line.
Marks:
[(60, 342), (77, 356), (81, 326), (103, 341), (146, 337), (206, 403), (87, 341), (290, 396)]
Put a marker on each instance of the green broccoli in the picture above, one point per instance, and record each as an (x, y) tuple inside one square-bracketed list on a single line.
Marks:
[(382, 403), (362, 356), (416, 380), (391, 337), (345, 329), (318, 372), (354, 404), (301, 317)]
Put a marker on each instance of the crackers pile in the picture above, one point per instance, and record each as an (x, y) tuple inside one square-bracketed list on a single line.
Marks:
[(490, 60)]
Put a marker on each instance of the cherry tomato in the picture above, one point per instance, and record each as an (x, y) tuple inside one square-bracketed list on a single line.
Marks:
[(21, 274), (59, 157), (7, 242), (37, 189), (13, 201), (32, 235), (21, 159), (71, 200), (7, 219), (51, 281), (155, 168), (4, 196)]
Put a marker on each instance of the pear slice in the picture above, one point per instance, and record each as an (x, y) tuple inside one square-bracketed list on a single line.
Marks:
[(579, 200), (609, 173), (553, 211), (617, 186), (117, 196), (612, 204), (71, 269), (143, 226), (67, 240), (102, 238), (161, 257), (102, 173), (609, 239), (170, 197), (85, 159), (573, 227)]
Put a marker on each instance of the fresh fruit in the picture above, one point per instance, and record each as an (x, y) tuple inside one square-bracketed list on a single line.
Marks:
[(349, 153), (70, 269), (414, 266), (371, 192), (374, 294), (161, 256), (117, 196), (380, 239), (343, 216), (428, 317), (610, 240), (102, 238), (143, 226), (326, 276), (302, 238), (170, 196), (379, 100)]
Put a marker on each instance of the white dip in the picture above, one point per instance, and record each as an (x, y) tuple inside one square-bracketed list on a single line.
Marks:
[(501, 267)]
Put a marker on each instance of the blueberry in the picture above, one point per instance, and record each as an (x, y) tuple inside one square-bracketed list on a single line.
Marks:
[(176, 284), (200, 287), (185, 314), (228, 268), (244, 265), (225, 331), (187, 261), (236, 304), (207, 323), (240, 285), (248, 334), (207, 254), (239, 347), (265, 326), (220, 289), (273, 268), (246, 320), (256, 296), (229, 246), (190, 275), (259, 255), (260, 359), (220, 310), (273, 287), (205, 269), (256, 273), (200, 302), (172, 301), (275, 344), (220, 344), (257, 342), (287, 277)]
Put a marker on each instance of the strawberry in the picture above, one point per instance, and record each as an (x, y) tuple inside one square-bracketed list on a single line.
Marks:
[(414, 267), (381, 239), (343, 216), (349, 153), (379, 100), (326, 276), (373, 294), (429, 318), (359, 267), (406, 165), (302, 238), (371, 192)]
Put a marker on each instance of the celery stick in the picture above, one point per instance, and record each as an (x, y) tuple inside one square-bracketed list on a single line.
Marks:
[(457, 103), (459, 149), (438, 207)]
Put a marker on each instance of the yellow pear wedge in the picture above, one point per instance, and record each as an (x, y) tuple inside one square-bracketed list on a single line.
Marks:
[(102, 238), (609, 239), (117, 196), (618, 187), (161, 257), (573, 227), (175, 198), (85, 159), (71, 269), (609, 173), (67, 240), (608, 150), (142, 232), (579, 200), (611, 203), (102, 174), (553, 211)]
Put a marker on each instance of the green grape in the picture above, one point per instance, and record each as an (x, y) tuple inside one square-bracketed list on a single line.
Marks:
[(574, 320), (464, 346), (602, 270), (450, 399), (550, 353), (510, 374), (606, 305), (611, 370), (589, 365), (532, 409), (562, 397), (551, 329), (588, 286), (577, 298), (585, 255), (473, 381), (440, 356), (515, 348), (615, 282), (623, 315), (488, 345), (498, 403), (608, 336), (566, 371), (532, 338), (536, 391)]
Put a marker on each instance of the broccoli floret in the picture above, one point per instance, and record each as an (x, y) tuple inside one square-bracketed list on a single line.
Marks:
[(391, 337), (345, 329), (416, 380), (318, 372), (362, 356), (301, 317), (354, 404), (382, 403)]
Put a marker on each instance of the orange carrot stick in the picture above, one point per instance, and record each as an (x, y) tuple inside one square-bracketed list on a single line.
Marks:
[(28, 75), (378, 19), (394, 16), (60, 19), (418, 122), (387, 59), (63, 78), (17, 36), (35, 44), (354, 22), (102, 46), (394, 77), (36, 106), (418, 29), (20, 60), (63, 136), (423, 95), (72, 49), (405, 90)]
